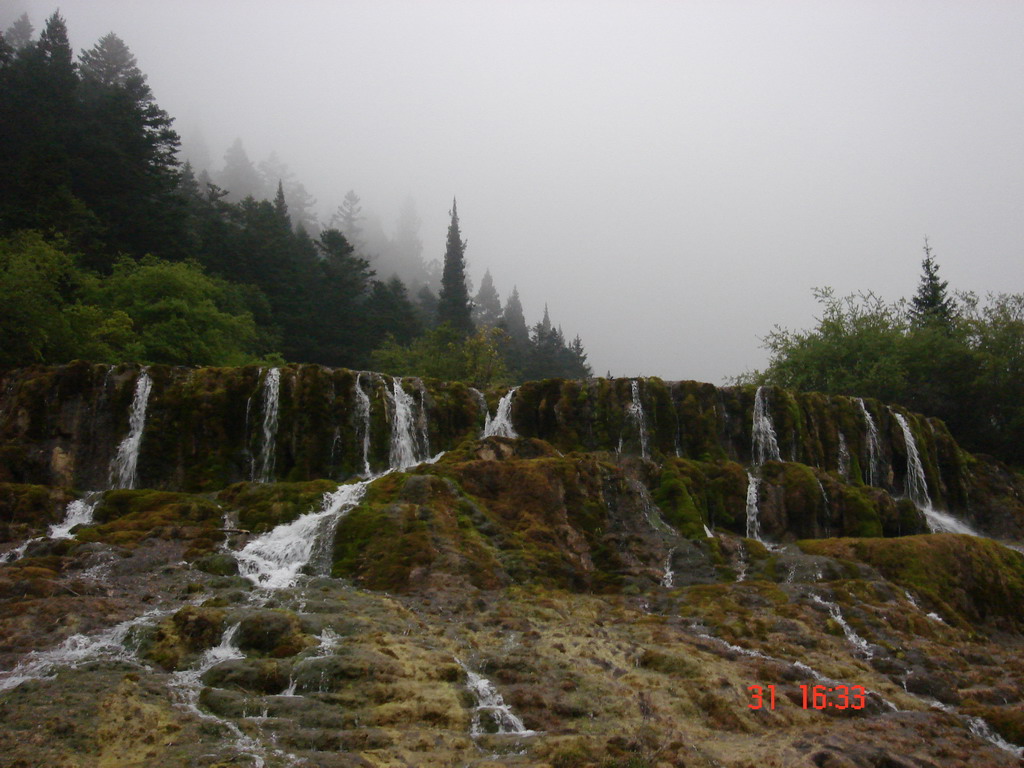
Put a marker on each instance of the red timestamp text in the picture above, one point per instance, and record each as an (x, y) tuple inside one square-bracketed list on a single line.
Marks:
[(838, 696)]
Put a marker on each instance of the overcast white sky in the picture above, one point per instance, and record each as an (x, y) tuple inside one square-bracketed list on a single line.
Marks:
[(672, 178)]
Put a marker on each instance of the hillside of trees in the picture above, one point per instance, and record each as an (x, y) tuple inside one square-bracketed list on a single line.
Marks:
[(945, 353), (112, 249)]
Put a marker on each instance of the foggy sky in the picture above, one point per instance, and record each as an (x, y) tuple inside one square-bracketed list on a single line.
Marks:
[(672, 178)]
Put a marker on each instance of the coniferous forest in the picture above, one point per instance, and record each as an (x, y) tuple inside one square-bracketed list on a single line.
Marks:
[(112, 249)]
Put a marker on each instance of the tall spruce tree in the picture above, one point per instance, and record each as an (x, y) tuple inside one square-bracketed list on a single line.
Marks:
[(19, 34), (487, 304), (932, 306), (453, 305)]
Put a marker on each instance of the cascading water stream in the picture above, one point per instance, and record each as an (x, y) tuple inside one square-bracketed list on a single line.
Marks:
[(490, 702), (122, 472), (843, 458), (78, 649), (126, 459), (403, 435), (501, 424), (858, 642), (753, 518), (826, 509), (917, 488), (187, 685), (363, 413), (422, 421), (263, 467), (275, 559), (668, 577), (78, 512), (638, 417), (917, 484), (874, 446), (765, 445)]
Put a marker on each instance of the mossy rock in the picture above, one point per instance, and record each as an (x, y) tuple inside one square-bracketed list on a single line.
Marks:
[(262, 506), (127, 517), (978, 580), (217, 564), (189, 631), (272, 633)]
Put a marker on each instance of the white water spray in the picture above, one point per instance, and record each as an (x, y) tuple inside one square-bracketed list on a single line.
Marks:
[(765, 444), (638, 417), (126, 460), (363, 411), (917, 489), (874, 446), (78, 512), (275, 559), (263, 468), (668, 578), (403, 436), (843, 459), (858, 642), (107, 644), (753, 521), (187, 685), (501, 424), (489, 702)]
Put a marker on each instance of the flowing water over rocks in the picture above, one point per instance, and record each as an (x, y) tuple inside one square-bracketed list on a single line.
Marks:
[(125, 463), (263, 466), (765, 445), (276, 559), (874, 447), (311, 623), (501, 424)]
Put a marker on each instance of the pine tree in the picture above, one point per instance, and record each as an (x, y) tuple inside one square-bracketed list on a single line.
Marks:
[(239, 177), (931, 306), (487, 304), (347, 219), (110, 62), (453, 305), (513, 320), (19, 34), (280, 206)]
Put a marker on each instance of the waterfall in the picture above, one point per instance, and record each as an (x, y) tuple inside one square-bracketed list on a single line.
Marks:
[(501, 424), (275, 559), (422, 421), (123, 466), (263, 468), (363, 413), (765, 445), (490, 702), (874, 447), (403, 436), (78, 512), (843, 459), (917, 489), (753, 523), (917, 485), (638, 417)]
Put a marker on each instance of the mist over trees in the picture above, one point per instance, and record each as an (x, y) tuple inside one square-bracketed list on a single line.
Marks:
[(112, 249)]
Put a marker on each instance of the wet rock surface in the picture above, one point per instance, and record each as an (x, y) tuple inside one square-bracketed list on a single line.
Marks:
[(585, 599)]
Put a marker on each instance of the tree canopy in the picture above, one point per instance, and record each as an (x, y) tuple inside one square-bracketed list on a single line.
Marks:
[(112, 250), (960, 361)]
